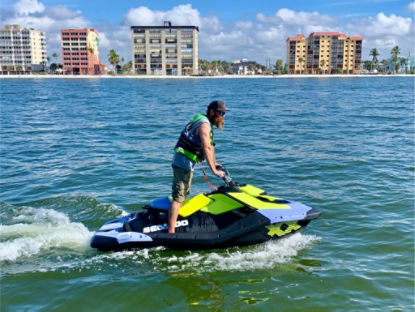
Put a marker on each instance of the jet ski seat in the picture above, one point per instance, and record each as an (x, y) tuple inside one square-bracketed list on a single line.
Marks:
[(189, 206), (162, 204)]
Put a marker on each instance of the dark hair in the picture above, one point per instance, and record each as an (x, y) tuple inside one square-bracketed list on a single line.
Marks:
[(215, 105)]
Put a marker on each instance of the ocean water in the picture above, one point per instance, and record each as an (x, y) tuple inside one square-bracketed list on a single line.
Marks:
[(75, 153)]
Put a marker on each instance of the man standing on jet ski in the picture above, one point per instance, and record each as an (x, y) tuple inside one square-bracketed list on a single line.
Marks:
[(194, 145)]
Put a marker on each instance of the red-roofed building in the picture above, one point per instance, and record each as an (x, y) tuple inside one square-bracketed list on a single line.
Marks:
[(80, 54), (324, 52)]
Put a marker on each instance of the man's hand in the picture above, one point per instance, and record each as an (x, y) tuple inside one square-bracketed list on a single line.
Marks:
[(219, 173)]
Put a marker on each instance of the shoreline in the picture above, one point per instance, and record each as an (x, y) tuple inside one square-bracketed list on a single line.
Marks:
[(35, 76)]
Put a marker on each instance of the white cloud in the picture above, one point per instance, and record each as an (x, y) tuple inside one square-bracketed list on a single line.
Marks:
[(388, 25), (34, 14), (384, 32), (411, 7), (25, 7), (179, 15), (211, 24), (290, 17), (41, 23), (103, 40), (243, 25)]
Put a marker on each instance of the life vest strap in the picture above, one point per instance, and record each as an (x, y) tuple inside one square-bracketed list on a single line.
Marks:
[(188, 154)]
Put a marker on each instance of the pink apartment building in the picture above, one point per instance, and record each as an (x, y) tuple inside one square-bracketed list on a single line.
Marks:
[(80, 54)]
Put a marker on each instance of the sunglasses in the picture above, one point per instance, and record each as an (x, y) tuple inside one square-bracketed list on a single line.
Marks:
[(221, 113)]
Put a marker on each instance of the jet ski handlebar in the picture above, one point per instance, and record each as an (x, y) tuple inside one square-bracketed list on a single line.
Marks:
[(227, 177)]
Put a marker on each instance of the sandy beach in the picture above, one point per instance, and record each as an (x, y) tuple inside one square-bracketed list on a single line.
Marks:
[(34, 76)]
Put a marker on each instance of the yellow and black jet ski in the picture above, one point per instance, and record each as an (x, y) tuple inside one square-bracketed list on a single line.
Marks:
[(232, 215)]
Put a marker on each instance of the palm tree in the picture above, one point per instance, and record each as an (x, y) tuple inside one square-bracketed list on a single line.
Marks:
[(113, 58), (46, 63), (403, 63), (225, 66), (211, 68), (127, 67), (374, 54), (55, 56), (204, 65), (368, 65), (251, 67), (395, 58), (278, 66), (384, 64), (285, 69)]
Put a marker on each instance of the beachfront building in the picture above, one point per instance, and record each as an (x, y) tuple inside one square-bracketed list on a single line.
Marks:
[(324, 52), (22, 50), (243, 67), (80, 54), (165, 50)]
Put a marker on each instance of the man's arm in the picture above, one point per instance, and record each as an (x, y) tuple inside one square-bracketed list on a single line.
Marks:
[(208, 149)]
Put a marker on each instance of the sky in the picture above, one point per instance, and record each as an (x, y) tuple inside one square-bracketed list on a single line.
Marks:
[(228, 30)]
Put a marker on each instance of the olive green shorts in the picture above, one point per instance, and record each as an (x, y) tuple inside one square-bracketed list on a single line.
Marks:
[(182, 180)]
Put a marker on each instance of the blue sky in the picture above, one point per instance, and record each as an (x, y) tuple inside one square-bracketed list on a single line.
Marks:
[(255, 29)]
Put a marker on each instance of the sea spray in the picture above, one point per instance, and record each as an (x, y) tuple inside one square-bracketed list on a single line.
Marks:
[(41, 230)]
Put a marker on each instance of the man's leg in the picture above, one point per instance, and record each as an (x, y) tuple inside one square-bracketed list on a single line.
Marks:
[(179, 188), (173, 214)]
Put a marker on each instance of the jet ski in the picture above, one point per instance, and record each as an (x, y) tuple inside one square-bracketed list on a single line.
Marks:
[(231, 215)]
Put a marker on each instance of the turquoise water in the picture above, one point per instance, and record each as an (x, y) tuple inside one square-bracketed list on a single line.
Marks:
[(75, 153)]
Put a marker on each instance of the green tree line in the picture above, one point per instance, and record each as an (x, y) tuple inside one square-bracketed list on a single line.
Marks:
[(382, 66)]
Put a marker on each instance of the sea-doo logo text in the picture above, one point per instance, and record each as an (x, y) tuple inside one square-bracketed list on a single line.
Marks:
[(161, 227)]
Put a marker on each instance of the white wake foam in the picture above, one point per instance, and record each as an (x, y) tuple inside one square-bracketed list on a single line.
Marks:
[(41, 230), (263, 256)]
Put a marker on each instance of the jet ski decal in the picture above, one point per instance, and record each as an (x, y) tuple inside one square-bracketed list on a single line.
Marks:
[(161, 227), (281, 229)]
